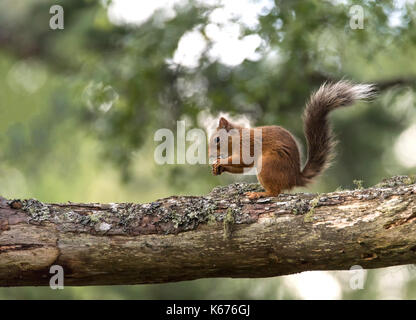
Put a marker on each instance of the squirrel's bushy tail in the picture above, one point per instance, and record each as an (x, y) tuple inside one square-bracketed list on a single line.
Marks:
[(317, 130)]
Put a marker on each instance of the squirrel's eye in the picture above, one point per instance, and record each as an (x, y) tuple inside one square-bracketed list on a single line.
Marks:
[(217, 140)]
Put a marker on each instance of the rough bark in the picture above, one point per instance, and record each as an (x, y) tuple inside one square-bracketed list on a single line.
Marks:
[(222, 234)]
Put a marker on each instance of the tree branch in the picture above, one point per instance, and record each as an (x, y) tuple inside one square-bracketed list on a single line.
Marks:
[(222, 234)]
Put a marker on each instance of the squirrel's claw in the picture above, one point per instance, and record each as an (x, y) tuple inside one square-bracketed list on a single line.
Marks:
[(217, 169), (252, 195), (258, 195)]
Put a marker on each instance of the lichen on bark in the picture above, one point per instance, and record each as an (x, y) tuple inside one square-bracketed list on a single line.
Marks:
[(220, 234)]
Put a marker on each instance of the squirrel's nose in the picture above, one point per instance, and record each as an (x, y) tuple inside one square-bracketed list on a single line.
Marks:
[(211, 159)]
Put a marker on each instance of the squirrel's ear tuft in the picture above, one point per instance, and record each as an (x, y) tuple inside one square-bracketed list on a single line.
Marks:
[(224, 124)]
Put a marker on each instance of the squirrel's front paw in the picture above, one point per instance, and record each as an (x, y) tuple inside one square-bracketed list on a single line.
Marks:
[(217, 169)]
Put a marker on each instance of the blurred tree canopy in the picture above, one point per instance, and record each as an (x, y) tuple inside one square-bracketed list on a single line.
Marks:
[(119, 80), (89, 98)]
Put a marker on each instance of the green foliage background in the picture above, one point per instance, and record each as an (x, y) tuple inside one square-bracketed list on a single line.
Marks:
[(57, 143)]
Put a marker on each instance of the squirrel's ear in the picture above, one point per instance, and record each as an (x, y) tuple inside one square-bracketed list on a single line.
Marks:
[(224, 124)]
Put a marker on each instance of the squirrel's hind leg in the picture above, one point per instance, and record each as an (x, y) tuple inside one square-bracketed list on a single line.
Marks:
[(273, 177), (257, 195)]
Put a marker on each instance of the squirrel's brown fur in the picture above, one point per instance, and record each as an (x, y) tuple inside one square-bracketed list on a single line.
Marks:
[(280, 159)]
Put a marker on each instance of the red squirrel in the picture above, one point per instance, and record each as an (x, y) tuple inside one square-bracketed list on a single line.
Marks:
[(280, 156)]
